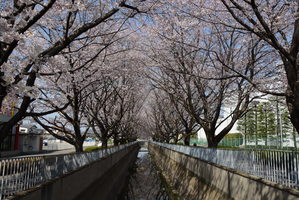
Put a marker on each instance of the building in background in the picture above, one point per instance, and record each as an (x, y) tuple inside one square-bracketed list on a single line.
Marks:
[(30, 138), (225, 119)]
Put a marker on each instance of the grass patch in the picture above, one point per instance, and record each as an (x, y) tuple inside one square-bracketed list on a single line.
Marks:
[(92, 148)]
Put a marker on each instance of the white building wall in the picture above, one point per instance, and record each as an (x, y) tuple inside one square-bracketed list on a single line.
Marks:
[(224, 113), (29, 143)]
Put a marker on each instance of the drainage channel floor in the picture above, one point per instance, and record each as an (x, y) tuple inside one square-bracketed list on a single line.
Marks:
[(145, 182)]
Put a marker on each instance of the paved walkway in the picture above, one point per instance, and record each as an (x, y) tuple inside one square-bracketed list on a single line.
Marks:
[(41, 153), (53, 148), (55, 152)]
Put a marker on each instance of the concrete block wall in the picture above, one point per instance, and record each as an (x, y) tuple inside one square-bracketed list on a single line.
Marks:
[(102, 179), (194, 178)]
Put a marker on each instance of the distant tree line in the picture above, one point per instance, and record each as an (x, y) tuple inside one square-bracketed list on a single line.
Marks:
[(267, 120)]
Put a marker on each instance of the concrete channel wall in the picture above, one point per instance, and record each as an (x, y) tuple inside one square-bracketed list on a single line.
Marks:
[(192, 178), (103, 179)]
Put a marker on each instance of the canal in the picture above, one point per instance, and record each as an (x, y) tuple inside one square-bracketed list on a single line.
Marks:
[(145, 181)]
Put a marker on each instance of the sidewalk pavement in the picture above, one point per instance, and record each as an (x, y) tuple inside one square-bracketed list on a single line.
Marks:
[(39, 153)]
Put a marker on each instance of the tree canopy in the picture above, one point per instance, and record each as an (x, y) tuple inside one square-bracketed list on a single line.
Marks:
[(171, 67)]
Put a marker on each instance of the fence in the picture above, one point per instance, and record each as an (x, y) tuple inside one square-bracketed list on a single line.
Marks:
[(274, 165), (270, 142), (19, 174)]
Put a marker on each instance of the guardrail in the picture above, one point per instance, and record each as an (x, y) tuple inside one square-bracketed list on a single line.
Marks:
[(19, 174), (274, 165)]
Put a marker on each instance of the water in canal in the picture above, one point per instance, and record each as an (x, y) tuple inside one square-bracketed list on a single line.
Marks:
[(145, 182)]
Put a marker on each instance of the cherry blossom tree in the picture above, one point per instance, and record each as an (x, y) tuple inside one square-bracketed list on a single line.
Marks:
[(69, 88), (164, 121), (89, 70), (34, 33), (276, 23), (193, 60), (112, 108), (171, 109)]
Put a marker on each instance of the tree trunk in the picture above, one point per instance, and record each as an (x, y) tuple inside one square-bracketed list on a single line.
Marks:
[(292, 92), (212, 141), (5, 130), (294, 113), (104, 143), (212, 144), (79, 147), (187, 140), (175, 141), (294, 138), (80, 142), (115, 141)]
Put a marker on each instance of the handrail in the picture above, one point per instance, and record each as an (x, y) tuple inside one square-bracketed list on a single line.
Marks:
[(274, 165), (19, 174)]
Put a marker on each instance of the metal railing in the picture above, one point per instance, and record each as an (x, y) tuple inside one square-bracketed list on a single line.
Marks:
[(252, 141), (274, 165), (19, 174)]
